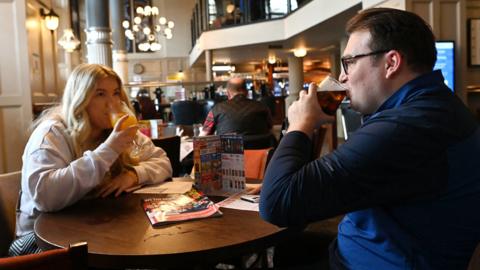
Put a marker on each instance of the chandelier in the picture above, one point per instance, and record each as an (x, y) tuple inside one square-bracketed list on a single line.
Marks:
[(146, 28)]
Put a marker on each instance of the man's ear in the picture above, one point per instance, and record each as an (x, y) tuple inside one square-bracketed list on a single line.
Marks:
[(393, 62)]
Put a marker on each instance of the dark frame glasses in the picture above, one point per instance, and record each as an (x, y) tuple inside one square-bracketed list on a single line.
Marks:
[(346, 60)]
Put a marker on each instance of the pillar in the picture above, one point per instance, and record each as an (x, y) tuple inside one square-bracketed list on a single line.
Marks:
[(99, 41), (208, 66), (295, 79), (119, 53)]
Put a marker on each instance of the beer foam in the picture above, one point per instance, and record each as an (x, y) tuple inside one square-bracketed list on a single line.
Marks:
[(330, 84)]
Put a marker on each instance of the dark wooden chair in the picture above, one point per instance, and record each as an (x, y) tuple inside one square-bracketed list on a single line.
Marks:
[(171, 145), (475, 259), (74, 257), (9, 192)]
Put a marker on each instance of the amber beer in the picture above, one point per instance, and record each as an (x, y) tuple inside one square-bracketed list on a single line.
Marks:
[(330, 94)]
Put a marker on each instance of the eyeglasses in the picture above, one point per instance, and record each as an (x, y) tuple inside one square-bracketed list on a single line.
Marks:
[(347, 60)]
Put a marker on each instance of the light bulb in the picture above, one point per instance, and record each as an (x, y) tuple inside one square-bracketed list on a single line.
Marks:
[(126, 24), (140, 10), (155, 46), (137, 20), (146, 30), (162, 20), (147, 10), (170, 24)]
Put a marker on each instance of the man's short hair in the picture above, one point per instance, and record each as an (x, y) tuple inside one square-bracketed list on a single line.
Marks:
[(237, 85), (393, 29)]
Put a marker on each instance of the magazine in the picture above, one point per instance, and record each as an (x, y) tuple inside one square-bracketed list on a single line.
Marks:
[(171, 208), (218, 164)]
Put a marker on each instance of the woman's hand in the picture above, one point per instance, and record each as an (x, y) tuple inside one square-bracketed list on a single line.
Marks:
[(119, 184), (120, 140)]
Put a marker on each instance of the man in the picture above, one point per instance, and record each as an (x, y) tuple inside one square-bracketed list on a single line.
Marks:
[(408, 179), (242, 116)]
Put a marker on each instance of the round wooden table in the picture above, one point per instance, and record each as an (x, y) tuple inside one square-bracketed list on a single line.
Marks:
[(119, 235)]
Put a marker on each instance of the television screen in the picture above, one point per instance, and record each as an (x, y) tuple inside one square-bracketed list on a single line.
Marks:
[(446, 61)]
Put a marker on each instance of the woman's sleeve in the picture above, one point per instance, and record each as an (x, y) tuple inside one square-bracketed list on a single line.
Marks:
[(154, 165), (53, 180)]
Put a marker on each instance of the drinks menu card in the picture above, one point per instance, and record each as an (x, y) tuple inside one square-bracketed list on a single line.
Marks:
[(218, 164)]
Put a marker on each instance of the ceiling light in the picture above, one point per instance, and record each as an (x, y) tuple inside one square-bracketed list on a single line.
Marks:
[(272, 59), (300, 52), (68, 41)]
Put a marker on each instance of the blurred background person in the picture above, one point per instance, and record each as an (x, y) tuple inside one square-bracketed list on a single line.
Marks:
[(242, 116)]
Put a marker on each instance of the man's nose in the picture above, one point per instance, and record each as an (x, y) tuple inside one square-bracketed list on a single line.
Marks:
[(343, 77)]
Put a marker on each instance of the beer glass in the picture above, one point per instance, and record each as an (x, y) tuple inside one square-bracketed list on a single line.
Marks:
[(330, 94), (117, 111)]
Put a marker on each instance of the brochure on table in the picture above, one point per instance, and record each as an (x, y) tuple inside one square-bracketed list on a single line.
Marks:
[(218, 164), (170, 208)]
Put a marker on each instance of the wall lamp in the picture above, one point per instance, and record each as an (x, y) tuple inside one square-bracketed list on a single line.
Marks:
[(51, 19)]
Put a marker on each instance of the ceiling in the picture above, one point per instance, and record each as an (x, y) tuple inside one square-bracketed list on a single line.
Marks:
[(321, 41)]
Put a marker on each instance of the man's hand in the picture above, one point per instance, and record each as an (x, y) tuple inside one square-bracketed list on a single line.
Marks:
[(119, 184), (305, 114)]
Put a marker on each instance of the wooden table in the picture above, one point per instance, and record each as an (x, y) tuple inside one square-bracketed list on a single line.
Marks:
[(119, 235)]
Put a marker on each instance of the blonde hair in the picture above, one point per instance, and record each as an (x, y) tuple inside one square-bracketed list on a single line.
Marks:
[(78, 92)]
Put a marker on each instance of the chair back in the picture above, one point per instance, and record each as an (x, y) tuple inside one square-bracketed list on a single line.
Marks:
[(9, 193), (171, 145), (318, 138), (351, 120), (475, 259), (184, 112), (203, 107), (260, 141), (74, 257), (255, 161)]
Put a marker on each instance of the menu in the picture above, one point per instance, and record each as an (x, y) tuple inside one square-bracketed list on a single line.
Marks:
[(219, 164)]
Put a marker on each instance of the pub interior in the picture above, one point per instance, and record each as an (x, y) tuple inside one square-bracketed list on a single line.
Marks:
[(174, 61)]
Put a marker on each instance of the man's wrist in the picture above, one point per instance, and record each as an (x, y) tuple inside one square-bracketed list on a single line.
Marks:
[(306, 128)]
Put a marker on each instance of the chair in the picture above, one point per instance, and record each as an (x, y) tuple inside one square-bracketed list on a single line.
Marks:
[(318, 138), (475, 259), (260, 141), (74, 257), (184, 112), (351, 120), (255, 162), (9, 193), (171, 145), (203, 107)]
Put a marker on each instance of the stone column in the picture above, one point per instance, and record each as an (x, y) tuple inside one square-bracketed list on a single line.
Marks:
[(208, 66), (99, 40), (295, 79), (119, 53)]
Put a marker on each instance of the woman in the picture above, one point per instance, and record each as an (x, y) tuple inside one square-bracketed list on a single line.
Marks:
[(73, 151)]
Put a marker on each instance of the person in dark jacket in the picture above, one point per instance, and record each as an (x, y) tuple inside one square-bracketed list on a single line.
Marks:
[(408, 179), (242, 116)]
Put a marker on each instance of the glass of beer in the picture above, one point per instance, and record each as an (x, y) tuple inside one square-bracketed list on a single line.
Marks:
[(117, 111), (330, 94)]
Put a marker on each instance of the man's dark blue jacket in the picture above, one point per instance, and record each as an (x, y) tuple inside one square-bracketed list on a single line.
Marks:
[(408, 179)]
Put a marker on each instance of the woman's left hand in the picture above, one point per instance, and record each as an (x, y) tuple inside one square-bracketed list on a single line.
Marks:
[(119, 184)]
